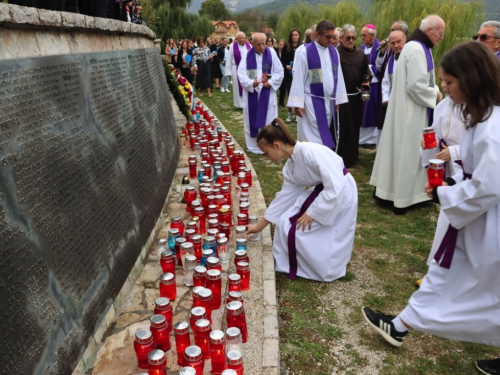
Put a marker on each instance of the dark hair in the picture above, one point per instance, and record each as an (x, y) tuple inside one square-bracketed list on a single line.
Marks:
[(289, 45), (478, 73), (269, 38), (276, 131), (323, 26), (201, 39)]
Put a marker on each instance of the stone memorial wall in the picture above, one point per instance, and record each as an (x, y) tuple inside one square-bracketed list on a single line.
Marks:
[(88, 149)]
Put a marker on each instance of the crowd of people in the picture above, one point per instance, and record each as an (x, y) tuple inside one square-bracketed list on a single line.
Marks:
[(382, 93)]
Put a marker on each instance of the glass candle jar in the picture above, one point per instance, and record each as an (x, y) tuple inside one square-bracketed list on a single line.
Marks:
[(244, 208), (235, 361), (241, 244), (194, 358), (213, 223), (204, 193), (197, 313), (200, 213), (236, 318), (208, 170), (157, 362), (163, 307), (253, 220), (190, 263), (207, 253), (224, 216), (190, 232), (244, 187), (209, 241), (211, 200), (196, 296), (220, 201), (430, 138), (205, 298), (167, 262), (196, 240), (435, 172), (225, 228), (241, 179), (192, 169), (194, 204), (212, 209), (241, 232), (161, 332), (177, 223), (233, 339), (243, 269), (173, 233), (201, 336), (226, 192), (248, 175), (244, 197), (168, 288), (214, 283), (213, 264), (143, 344), (201, 173), (233, 296), (223, 250), (218, 351), (241, 256), (225, 166), (161, 247), (178, 243), (229, 372), (234, 281), (189, 196), (187, 248), (182, 341), (242, 220), (199, 277)]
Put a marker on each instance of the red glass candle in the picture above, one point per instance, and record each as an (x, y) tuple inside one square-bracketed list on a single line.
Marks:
[(182, 341), (243, 269), (226, 192), (248, 176), (213, 264), (192, 169), (204, 193), (430, 138), (225, 228), (205, 297), (234, 281), (213, 232), (225, 166), (435, 172), (196, 297), (196, 240), (143, 344), (167, 262), (201, 336), (242, 219), (178, 243), (178, 223), (241, 256), (157, 362), (197, 313), (199, 277), (214, 283), (194, 358), (218, 351), (235, 361), (244, 188), (224, 215), (208, 170), (163, 307), (233, 296), (161, 333), (244, 208), (236, 318), (213, 209), (220, 201), (168, 288), (213, 223), (189, 196), (244, 196), (241, 232), (199, 212)]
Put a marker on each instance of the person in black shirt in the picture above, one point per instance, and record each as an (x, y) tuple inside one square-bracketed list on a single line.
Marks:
[(287, 57)]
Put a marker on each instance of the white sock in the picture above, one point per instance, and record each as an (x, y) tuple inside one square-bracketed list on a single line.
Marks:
[(398, 324)]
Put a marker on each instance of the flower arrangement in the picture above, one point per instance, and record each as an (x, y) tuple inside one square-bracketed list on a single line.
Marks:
[(181, 90)]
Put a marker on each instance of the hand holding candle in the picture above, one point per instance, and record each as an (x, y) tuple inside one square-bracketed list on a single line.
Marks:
[(435, 172)]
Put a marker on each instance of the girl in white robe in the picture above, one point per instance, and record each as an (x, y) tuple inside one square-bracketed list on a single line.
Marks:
[(461, 300), (324, 234)]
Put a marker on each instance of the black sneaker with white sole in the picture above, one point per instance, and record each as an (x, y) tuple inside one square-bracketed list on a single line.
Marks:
[(489, 366), (383, 324)]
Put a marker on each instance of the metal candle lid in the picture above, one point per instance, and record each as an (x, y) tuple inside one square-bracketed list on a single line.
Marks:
[(162, 303), (192, 353), (173, 232), (217, 337), (240, 254), (234, 308), (167, 278), (162, 242), (207, 253), (233, 333), (241, 229), (202, 325), (429, 130), (213, 261), (210, 240), (205, 294), (158, 321), (213, 222), (197, 289), (191, 259), (436, 164), (241, 241), (234, 357), (234, 278), (213, 274), (200, 270), (245, 185), (253, 219), (244, 205), (167, 255), (235, 295), (229, 372), (143, 336), (222, 241), (180, 240), (199, 312), (186, 245), (181, 328), (187, 371), (242, 266), (176, 219), (156, 357), (196, 238)]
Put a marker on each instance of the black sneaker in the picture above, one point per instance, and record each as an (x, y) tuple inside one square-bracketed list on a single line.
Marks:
[(489, 366), (383, 324)]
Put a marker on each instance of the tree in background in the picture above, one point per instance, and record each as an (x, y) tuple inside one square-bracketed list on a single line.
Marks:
[(250, 20), (214, 10), (300, 17), (272, 20), (344, 12)]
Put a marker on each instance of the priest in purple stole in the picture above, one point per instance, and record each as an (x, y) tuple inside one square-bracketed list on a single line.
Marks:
[(236, 52), (368, 131), (317, 87), (260, 73)]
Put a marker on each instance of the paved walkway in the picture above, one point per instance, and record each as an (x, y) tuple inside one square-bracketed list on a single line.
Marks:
[(115, 353)]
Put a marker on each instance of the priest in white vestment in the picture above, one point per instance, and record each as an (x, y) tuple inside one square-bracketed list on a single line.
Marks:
[(252, 82), (300, 94), (233, 59), (397, 173)]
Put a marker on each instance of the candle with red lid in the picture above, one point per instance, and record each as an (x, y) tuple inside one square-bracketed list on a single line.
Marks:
[(163, 307), (143, 344), (435, 172), (168, 288), (197, 313), (201, 336), (243, 269), (430, 138), (236, 318), (161, 332), (157, 362), (194, 358), (214, 283), (235, 361), (218, 351)]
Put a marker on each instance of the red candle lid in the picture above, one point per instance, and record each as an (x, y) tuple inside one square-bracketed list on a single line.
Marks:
[(156, 357), (143, 336), (181, 328)]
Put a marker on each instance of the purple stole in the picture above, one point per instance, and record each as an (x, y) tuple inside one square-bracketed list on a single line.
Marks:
[(371, 107), (237, 60), (498, 55), (257, 104), (317, 91), (292, 249), (430, 66), (373, 57)]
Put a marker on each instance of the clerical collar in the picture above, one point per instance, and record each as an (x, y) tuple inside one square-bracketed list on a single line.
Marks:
[(396, 56), (419, 36), (319, 45)]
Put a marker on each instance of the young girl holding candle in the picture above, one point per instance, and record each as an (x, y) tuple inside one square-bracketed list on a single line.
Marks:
[(314, 227), (459, 298)]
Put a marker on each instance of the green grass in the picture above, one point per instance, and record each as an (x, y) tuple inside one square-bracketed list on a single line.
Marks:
[(389, 255)]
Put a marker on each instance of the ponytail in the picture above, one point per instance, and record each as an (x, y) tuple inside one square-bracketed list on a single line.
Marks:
[(276, 131)]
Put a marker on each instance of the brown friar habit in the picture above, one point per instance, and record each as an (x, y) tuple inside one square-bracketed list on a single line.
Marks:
[(355, 70)]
